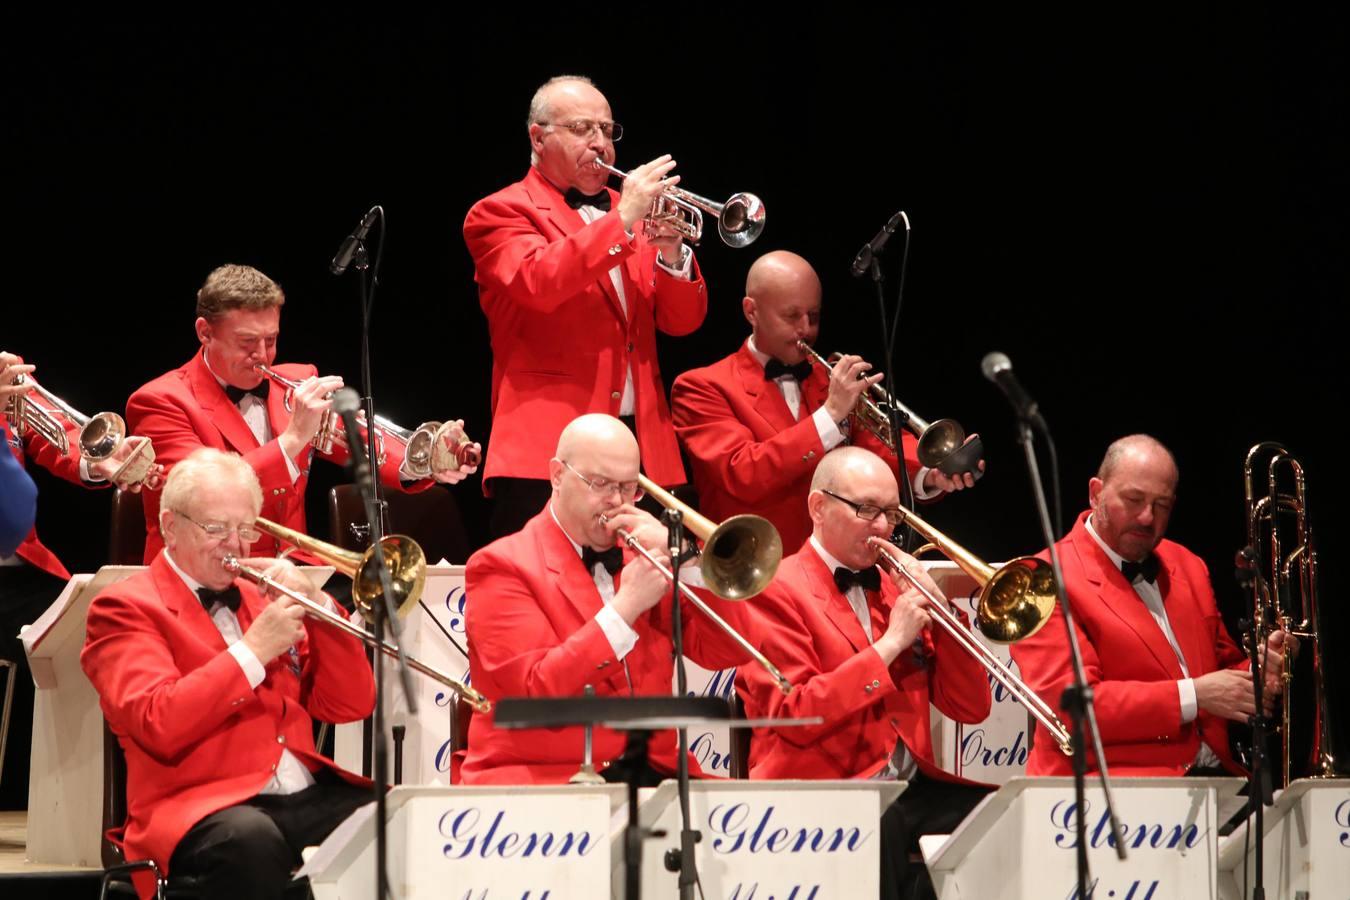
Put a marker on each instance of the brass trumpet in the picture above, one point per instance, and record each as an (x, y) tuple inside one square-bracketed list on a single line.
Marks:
[(739, 221), (1029, 578), (942, 444), (426, 449), (407, 567), (101, 435), (260, 578), (740, 557)]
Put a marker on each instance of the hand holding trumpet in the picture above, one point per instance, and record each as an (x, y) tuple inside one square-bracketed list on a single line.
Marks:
[(310, 400)]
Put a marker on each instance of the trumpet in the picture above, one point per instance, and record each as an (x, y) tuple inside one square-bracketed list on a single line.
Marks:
[(101, 435), (426, 449), (942, 444), (740, 557), (407, 566), (739, 221), (260, 578), (890, 560)]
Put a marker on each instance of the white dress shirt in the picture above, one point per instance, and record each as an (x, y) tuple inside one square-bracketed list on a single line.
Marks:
[(621, 636)]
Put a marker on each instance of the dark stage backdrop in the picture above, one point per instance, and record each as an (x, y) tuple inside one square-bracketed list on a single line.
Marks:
[(1146, 212)]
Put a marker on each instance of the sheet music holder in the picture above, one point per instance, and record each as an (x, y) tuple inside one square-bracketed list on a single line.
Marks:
[(638, 716)]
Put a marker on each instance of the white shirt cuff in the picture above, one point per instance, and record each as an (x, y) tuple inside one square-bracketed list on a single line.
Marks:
[(920, 492), (88, 476), (682, 270), (621, 636), (291, 467), (1186, 692), (828, 429), (253, 669)]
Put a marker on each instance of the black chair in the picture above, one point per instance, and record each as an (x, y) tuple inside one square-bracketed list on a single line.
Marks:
[(740, 741), (126, 534), (430, 517)]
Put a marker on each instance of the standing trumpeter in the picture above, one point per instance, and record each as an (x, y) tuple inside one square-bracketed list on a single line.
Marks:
[(221, 398), (574, 297)]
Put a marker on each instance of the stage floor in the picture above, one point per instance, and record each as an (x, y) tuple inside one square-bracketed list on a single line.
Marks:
[(14, 840)]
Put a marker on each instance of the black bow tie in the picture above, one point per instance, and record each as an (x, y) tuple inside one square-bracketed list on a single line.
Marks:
[(230, 597), (868, 579), (611, 559), (237, 394), (776, 368), (575, 198), (1148, 568)]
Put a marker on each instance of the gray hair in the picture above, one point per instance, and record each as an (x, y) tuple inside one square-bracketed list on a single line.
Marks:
[(208, 465), (541, 111)]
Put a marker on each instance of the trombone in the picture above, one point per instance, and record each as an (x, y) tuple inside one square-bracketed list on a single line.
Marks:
[(739, 559), (1284, 587), (407, 575), (100, 437), (739, 221), (1015, 601), (942, 444), (427, 448)]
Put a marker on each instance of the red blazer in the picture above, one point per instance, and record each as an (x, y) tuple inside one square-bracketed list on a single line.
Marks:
[(187, 408), (63, 465), (747, 453), (560, 342), (532, 633), (1129, 663), (197, 738), (812, 635)]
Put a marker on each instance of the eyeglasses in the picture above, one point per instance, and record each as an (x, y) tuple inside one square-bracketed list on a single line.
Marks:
[(630, 491), (218, 532), (584, 128), (894, 515)]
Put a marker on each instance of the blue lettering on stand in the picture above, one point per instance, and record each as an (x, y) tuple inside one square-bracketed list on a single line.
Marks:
[(705, 751), (461, 827), (454, 602), (798, 892), (1145, 835), (974, 752), (1342, 817), (1138, 890), (734, 829), (483, 895)]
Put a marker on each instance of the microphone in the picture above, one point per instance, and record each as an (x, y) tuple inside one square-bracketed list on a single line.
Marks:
[(353, 241), (998, 369), (873, 248), (347, 403)]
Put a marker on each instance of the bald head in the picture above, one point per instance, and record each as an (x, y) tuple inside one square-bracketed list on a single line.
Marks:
[(585, 435), (847, 466), (782, 304), (1140, 449), (846, 479)]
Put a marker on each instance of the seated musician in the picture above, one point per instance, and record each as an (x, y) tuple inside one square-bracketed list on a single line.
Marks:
[(1166, 677), (558, 606), (220, 399), (857, 646), (210, 686), (31, 575), (756, 424)]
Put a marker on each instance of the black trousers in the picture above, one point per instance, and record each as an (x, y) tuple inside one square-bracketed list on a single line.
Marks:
[(927, 806), (25, 593), (250, 850)]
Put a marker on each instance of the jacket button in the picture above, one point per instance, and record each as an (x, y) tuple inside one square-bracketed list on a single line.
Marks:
[(810, 455), (876, 684), (615, 396), (281, 739), (630, 346), (603, 664), (867, 688)]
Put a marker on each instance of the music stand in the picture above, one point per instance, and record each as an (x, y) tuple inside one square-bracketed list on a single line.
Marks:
[(638, 717)]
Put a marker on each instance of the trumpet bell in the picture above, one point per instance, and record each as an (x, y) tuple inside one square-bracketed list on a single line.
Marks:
[(407, 567), (102, 435), (741, 556), (943, 447), (741, 220), (1017, 601)]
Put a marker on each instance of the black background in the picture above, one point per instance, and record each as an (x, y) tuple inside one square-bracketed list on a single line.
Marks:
[(1145, 210)]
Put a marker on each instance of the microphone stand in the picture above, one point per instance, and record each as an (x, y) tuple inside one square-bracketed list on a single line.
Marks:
[(681, 860), (1077, 698), (888, 338), (1258, 775), (383, 613)]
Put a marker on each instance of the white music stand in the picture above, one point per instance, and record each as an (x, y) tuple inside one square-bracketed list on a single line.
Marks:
[(1306, 844)]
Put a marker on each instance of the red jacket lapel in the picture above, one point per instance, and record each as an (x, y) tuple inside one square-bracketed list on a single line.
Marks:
[(568, 221), (218, 408)]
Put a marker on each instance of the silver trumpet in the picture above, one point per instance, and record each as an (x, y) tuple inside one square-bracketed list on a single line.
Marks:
[(100, 437), (232, 565), (739, 221)]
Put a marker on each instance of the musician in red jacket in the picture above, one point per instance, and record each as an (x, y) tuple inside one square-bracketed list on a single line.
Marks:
[(1166, 677), (558, 606), (31, 576), (756, 423), (574, 289), (210, 687), (857, 646), (220, 399)]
